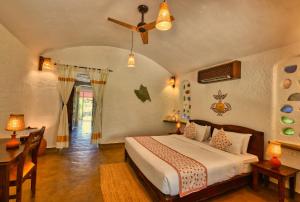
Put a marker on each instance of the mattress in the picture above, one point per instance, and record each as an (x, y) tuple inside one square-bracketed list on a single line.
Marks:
[(220, 165)]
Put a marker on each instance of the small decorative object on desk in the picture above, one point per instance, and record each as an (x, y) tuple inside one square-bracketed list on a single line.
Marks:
[(274, 150), (15, 123), (178, 125)]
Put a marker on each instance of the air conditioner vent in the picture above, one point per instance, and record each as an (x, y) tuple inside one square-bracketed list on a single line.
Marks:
[(224, 72)]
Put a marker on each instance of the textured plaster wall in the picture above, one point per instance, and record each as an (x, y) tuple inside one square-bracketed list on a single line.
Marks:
[(26, 90), (23, 89), (251, 97), (124, 114)]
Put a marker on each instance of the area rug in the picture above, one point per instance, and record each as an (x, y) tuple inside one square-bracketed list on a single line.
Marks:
[(119, 183)]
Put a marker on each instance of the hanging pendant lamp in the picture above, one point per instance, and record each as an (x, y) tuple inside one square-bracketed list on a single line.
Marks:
[(131, 60), (163, 21)]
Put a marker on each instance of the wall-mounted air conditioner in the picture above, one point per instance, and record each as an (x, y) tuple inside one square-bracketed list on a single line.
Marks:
[(224, 72)]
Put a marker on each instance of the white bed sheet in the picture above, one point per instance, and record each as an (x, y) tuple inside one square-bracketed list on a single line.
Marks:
[(220, 165)]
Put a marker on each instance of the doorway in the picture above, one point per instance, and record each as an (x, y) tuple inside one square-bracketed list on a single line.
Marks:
[(81, 117)]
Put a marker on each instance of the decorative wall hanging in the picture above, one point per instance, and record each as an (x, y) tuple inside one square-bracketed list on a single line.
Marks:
[(220, 107), (285, 100), (142, 93), (186, 102)]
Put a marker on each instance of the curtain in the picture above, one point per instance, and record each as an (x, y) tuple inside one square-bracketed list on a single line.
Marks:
[(66, 80), (98, 80)]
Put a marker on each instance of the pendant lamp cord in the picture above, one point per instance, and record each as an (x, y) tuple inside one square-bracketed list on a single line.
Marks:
[(131, 42)]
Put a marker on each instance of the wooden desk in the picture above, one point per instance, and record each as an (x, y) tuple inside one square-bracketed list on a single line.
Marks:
[(282, 174), (7, 157)]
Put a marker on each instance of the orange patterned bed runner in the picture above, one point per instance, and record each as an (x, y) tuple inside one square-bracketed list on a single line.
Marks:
[(191, 173)]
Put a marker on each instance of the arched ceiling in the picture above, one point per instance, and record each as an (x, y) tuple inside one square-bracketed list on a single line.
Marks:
[(205, 31)]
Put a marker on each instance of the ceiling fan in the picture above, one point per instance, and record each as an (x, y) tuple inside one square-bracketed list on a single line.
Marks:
[(141, 27)]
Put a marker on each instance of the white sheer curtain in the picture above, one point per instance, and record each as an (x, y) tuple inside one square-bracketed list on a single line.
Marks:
[(66, 80), (98, 80)]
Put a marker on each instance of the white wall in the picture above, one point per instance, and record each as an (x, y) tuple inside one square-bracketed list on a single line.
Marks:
[(250, 97), (124, 114), (24, 89)]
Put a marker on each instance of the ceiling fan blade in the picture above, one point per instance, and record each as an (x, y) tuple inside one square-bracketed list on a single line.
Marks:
[(144, 36), (133, 28), (151, 25)]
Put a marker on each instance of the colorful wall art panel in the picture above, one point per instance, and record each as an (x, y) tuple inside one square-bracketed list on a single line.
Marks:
[(186, 100), (287, 101)]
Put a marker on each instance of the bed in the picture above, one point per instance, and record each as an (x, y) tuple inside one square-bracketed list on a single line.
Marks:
[(161, 180)]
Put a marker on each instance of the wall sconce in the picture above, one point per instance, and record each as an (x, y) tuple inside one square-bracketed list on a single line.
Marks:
[(172, 81), (45, 63)]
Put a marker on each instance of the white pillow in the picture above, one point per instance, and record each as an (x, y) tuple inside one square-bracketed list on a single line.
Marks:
[(207, 134), (246, 143), (201, 132), (237, 141)]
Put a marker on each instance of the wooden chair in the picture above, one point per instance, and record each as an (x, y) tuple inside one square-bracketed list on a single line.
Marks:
[(24, 169)]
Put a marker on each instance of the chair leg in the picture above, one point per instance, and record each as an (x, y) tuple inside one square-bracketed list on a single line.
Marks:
[(19, 193), (33, 181)]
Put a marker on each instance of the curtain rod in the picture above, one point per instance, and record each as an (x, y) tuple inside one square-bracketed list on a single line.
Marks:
[(82, 67)]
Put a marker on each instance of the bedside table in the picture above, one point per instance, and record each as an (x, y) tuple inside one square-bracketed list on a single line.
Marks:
[(282, 174)]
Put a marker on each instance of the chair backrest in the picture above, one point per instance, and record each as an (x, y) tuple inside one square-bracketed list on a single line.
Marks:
[(32, 145)]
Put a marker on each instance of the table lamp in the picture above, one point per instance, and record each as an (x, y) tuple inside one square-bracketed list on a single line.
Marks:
[(274, 150), (15, 123)]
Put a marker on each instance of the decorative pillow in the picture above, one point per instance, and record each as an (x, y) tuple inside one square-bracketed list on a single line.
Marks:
[(190, 131), (220, 140)]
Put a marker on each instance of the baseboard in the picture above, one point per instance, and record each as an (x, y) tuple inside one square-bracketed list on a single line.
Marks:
[(111, 145)]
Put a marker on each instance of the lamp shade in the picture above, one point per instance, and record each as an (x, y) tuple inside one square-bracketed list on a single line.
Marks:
[(274, 149), (163, 21), (131, 60), (15, 122)]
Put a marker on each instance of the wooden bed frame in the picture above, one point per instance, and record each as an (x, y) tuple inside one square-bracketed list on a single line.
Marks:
[(256, 147)]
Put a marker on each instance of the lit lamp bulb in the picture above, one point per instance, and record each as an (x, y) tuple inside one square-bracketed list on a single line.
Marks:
[(178, 125), (274, 150), (163, 21), (131, 60), (47, 64)]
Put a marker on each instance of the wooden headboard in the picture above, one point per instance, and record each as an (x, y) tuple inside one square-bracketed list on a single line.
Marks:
[(256, 143)]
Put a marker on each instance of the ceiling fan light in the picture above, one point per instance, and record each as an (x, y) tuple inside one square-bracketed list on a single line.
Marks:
[(163, 21), (131, 60)]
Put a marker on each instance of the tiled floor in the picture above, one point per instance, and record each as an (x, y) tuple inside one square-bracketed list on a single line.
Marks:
[(72, 176)]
